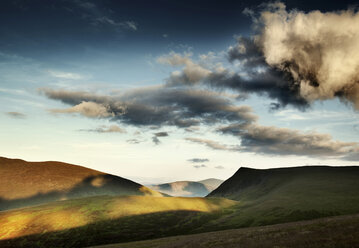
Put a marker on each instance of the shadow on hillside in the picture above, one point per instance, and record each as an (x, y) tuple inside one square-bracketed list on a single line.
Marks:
[(135, 228), (124, 229), (90, 186)]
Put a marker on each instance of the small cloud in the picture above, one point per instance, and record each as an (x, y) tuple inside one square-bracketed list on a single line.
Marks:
[(65, 75), (199, 166), (220, 167), (198, 160), (192, 129), (107, 129), (104, 20), (134, 141), (165, 36), (156, 140), (16, 115), (137, 133), (88, 109), (161, 134)]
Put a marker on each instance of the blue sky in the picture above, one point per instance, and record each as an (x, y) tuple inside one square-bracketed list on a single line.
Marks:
[(166, 56)]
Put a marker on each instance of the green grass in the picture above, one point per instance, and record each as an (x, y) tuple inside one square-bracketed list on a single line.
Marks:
[(265, 197), (97, 220), (333, 232)]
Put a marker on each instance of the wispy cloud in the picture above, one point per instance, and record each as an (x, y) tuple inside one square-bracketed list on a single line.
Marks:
[(107, 129), (198, 160), (16, 115), (65, 75)]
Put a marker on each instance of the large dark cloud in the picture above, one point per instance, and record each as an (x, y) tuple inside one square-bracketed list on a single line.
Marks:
[(185, 107), (253, 75), (284, 141), (155, 107)]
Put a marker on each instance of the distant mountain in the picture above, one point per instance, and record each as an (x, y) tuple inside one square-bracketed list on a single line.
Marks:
[(289, 194), (28, 183), (188, 188)]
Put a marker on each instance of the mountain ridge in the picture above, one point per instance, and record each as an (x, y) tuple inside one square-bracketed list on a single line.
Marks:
[(26, 183)]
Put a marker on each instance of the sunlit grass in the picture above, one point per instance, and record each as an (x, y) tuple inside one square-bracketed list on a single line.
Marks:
[(75, 213)]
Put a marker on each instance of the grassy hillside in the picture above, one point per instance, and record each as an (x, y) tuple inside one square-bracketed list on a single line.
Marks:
[(330, 232), (188, 188), (290, 194), (103, 219), (28, 183)]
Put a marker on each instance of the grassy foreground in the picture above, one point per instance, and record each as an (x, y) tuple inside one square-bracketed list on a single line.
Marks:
[(332, 232), (98, 220)]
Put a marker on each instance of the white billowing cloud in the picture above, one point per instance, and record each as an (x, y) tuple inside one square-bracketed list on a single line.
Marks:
[(88, 109), (319, 50)]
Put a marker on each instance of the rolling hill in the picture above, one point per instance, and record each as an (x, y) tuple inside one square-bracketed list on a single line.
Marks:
[(290, 194), (188, 188), (28, 183)]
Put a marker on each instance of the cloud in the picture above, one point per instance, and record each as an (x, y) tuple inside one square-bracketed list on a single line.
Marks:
[(219, 167), (88, 109), (198, 160), (104, 20), (283, 141), (102, 16), (161, 134), (294, 58), (16, 115), (186, 107), (320, 51), (108, 129), (253, 75), (134, 141), (192, 72), (213, 144), (156, 140), (65, 75), (199, 166), (157, 106)]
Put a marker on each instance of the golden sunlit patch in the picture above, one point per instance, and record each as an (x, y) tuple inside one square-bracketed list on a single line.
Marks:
[(75, 213)]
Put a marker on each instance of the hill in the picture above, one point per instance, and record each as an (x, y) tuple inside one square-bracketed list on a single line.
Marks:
[(104, 219), (311, 234), (290, 194), (188, 188), (28, 183)]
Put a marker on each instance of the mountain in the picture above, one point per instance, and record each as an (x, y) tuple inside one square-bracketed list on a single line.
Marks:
[(211, 183), (27, 183), (289, 194), (188, 188)]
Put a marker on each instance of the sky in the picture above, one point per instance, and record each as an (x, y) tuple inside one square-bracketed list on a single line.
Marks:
[(158, 91)]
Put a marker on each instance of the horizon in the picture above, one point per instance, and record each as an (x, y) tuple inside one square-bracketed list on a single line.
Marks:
[(142, 91)]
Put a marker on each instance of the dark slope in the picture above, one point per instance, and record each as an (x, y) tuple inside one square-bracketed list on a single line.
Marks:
[(251, 184), (27, 183), (290, 194)]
